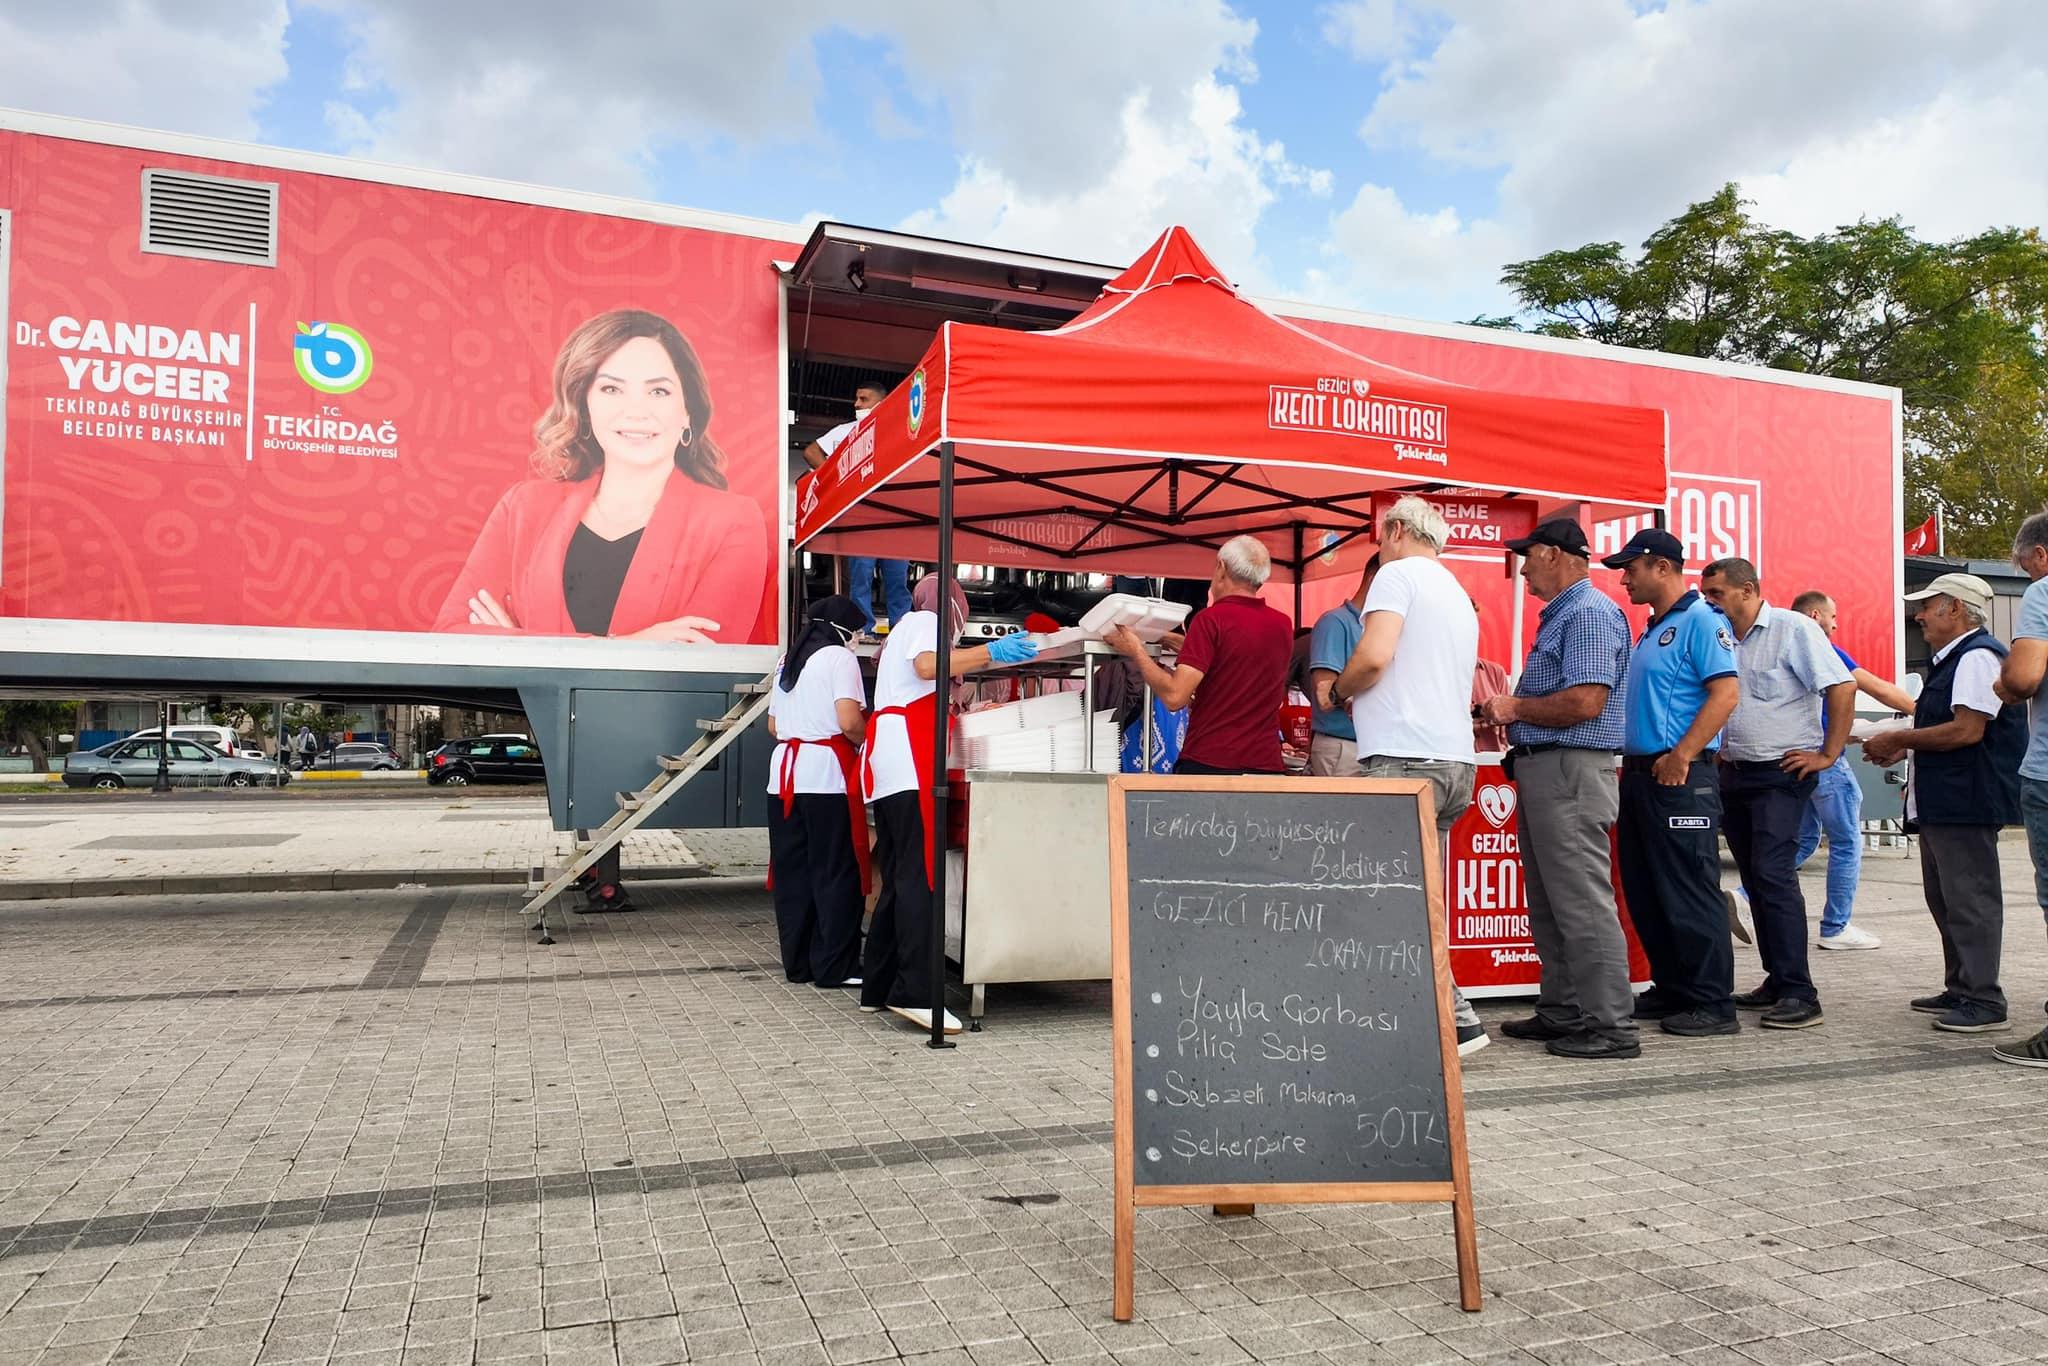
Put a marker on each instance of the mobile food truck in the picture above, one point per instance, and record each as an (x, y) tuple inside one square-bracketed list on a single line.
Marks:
[(280, 424)]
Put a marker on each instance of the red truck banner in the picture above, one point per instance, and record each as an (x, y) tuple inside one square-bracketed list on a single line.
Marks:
[(1486, 898), (1476, 523), (433, 412), (1796, 474)]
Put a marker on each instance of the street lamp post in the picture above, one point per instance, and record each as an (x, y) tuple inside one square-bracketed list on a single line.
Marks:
[(163, 748)]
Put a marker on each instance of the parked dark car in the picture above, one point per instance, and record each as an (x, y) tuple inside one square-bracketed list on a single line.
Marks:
[(487, 760), (359, 754)]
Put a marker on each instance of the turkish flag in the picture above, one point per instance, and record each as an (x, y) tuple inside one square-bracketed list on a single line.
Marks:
[(1925, 539)]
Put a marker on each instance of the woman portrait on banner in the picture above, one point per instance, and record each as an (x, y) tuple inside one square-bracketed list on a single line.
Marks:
[(628, 531), (817, 818)]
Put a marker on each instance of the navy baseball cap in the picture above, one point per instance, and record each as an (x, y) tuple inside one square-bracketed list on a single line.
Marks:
[(1562, 532), (1650, 540)]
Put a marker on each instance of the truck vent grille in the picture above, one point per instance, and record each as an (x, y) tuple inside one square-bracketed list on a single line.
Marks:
[(210, 217)]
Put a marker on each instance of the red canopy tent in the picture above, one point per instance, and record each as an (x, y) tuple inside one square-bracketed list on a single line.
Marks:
[(1173, 414), (1169, 416)]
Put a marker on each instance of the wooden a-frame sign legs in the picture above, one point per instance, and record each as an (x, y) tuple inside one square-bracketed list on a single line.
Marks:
[(1242, 1199)]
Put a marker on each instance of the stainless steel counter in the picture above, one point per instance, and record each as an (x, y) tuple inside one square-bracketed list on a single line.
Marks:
[(1035, 906)]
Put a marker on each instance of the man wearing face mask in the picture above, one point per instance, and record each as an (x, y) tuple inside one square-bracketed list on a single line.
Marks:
[(899, 779), (817, 822), (860, 569)]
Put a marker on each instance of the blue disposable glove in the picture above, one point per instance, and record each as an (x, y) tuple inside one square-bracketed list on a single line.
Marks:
[(1012, 649)]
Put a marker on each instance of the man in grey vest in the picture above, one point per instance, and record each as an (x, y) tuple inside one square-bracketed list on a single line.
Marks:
[(1966, 748)]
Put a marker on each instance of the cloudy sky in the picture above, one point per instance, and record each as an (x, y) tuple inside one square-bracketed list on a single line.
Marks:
[(1381, 154)]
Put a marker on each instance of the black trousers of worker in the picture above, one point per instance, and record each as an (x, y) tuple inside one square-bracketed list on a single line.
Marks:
[(818, 901), (1764, 806), (896, 964), (1671, 876)]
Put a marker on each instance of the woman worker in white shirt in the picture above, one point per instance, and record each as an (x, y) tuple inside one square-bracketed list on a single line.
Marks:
[(817, 822), (897, 771)]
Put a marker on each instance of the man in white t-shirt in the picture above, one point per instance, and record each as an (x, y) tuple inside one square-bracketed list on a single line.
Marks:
[(860, 569), (899, 778), (817, 819), (1409, 681)]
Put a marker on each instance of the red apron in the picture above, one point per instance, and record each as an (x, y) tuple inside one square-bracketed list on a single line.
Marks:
[(918, 719), (849, 761)]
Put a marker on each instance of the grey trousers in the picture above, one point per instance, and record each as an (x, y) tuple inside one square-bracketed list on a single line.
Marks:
[(1451, 785), (1959, 873), (1566, 801), (1332, 756)]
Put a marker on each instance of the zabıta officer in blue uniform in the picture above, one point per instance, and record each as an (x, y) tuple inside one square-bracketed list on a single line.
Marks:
[(1681, 688)]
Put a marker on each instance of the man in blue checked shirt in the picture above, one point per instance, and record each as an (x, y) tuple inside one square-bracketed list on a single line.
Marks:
[(1564, 728)]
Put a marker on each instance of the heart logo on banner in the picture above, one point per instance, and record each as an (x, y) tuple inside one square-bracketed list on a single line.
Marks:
[(1497, 803)]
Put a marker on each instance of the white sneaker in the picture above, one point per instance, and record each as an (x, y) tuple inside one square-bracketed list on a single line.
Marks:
[(1850, 937), (1736, 928), (923, 1018)]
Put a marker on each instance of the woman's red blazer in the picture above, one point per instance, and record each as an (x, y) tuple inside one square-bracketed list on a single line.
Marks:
[(704, 554)]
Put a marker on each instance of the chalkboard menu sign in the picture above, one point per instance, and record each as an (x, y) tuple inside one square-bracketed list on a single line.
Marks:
[(1283, 1015)]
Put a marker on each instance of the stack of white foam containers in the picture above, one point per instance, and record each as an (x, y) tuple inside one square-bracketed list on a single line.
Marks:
[(1038, 735)]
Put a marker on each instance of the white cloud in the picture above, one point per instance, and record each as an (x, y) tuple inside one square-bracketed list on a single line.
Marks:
[(1961, 164), (1206, 171), (1079, 128), (1372, 30), (1602, 119), (1386, 257), (585, 97), (195, 67)]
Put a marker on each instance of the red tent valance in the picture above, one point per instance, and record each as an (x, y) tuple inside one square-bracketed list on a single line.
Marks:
[(1175, 413)]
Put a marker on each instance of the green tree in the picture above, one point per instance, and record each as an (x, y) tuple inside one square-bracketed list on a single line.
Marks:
[(35, 725), (1958, 327)]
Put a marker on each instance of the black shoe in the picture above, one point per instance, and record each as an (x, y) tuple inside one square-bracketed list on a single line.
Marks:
[(2029, 1053), (1654, 1005), (1972, 1017), (1537, 1028), (1763, 998), (1587, 1044), (1941, 1003), (1471, 1038), (1791, 1014), (1699, 1023)]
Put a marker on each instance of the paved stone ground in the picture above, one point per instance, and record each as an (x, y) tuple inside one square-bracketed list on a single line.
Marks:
[(62, 848), (388, 1127)]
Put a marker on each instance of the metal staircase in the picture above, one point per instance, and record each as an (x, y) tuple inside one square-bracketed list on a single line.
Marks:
[(635, 808)]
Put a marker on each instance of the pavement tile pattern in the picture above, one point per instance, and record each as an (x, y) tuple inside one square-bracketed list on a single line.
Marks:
[(389, 1127)]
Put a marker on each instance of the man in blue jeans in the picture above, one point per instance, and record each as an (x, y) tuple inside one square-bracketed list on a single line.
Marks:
[(1837, 806), (1790, 725), (2020, 681)]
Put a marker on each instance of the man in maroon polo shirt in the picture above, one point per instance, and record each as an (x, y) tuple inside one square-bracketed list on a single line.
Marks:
[(1232, 669)]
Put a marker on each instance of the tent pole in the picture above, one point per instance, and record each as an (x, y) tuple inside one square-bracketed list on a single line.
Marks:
[(1299, 570), (941, 769), (795, 578)]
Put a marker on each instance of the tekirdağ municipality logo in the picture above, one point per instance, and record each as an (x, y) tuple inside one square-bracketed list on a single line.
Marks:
[(914, 416), (331, 357)]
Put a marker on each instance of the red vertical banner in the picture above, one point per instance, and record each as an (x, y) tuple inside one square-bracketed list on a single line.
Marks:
[(1486, 899)]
